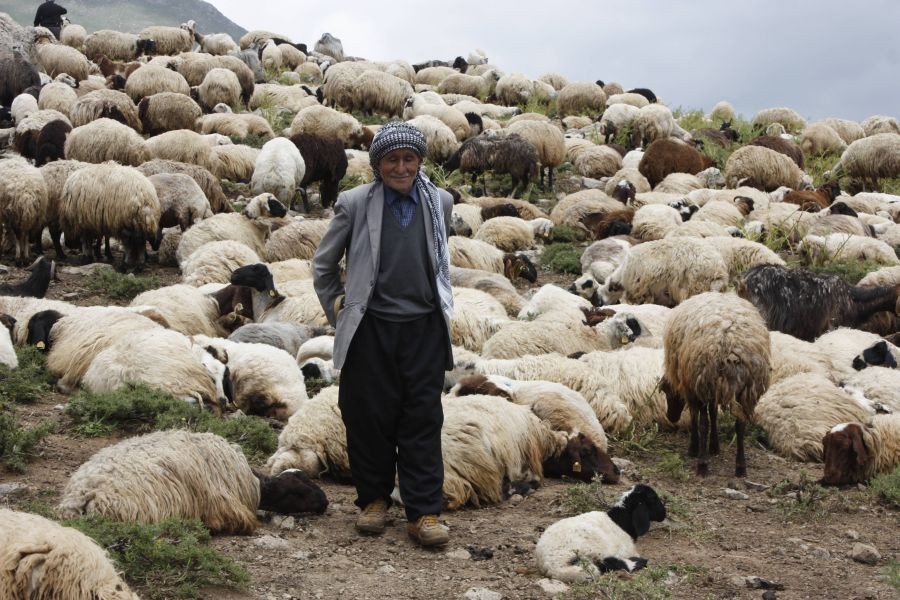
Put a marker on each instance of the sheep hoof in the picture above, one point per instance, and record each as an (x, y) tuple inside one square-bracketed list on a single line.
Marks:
[(740, 471), (702, 469)]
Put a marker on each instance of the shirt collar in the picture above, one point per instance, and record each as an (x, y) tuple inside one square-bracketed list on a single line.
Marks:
[(391, 195)]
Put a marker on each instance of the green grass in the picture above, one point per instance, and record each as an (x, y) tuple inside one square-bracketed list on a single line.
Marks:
[(567, 234), (561, 258), (650, 583), (640, 439), (891, 574), (119, 286), (252, 140), (806, 500), (171, 559), (672, 465), (29, 381), (18, 444), (849, 271), (138, 409), (543, 107), (887, 488), (373, 119), (584, 497), (349, 182)]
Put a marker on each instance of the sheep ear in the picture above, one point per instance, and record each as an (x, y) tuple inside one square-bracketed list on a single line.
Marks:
[(858, 446), (640, 519)]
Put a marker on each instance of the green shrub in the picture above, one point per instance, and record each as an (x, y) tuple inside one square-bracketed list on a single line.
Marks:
[(139, 409), (28, 382), (652, 583), (891, 574), (171, 559), (17, 443), (849, 271), (887, 487), (584, 497), (567, 233), (120, 286), (561, 258)]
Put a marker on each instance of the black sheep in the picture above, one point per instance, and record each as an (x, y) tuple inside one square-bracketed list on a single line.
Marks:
[(648, 94), (51, 142), (42, 272), (326, 162), (16, 75)]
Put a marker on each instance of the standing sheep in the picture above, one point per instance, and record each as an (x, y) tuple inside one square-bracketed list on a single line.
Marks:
[(23, 204), (870, 158), (665, 156), (581, 97), (328, 123), (106, 140), (181, 201), (763, 167), (716, 353), (279, 170), (151, 79), (326, 162), (219, 85), (547, 139), (111, 104)]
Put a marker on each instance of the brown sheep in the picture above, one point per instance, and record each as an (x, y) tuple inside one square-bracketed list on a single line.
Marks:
[(603, 225), (669, 155), (822, 197)]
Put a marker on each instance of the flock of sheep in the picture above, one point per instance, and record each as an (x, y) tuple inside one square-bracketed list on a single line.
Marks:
[(120, 141)]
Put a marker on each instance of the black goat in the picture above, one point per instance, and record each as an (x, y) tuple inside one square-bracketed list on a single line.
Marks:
[(326, 162), (42, 271)]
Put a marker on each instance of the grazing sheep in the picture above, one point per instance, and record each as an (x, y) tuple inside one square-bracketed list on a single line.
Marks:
[(654, 122), (763, 167), (442, 142), (722, 112), (182, 145), (716, 352), (848, 247), (597, 162), (169, 40), (654, 222), (326, 162), (216, 43), (582, 547), (234, 162), (289, 97), (856, 452), (51, 142), (267, 380), (114, 201), (182, 474), (500, 154), (165, 360), (547, 139), (219, 85), (580, 97), (105, 140), (28, 130), (181, 201), (43, 559), (601, 258), (59, 96), (58, 58), (665, 156), (23, 204), (22, 106), (806, 304), (509, 234), (151, 79), (877, 124), (788, 117), (379, 92), (110, 104), (820, 138), (298, 239), (850, 131), (451, 116), (797, 412), (279, 170), (331, 46), (211, 186), (631, 98), (870, 159), (783, 146), (494, 284), (213, 262)]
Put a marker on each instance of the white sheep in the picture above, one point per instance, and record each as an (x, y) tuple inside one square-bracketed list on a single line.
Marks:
[(43, 559), (741, 254), (58, 96), (170, 40), (235, 125), (582, 547), (299, 239), (213, 262), (856, 452), (451, 116), (106, 140), (764, 167), (329, 123), (23, 204), (290, 337), (279, 170), (579, 97), (290, 97), (655, 221), (234, 162), (798, 411), (8, 357), (181, 201), (219, 85), (184, 308), (59, 58), (843, 345), (788, 117), (442, 142), (104, 103), (24, 105), (380, 92), (151, 79), (848, 247), (267, 380), (494, 284), (878, 385)]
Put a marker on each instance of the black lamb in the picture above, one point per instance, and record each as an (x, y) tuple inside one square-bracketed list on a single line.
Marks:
[(326, 162), (51, 142)]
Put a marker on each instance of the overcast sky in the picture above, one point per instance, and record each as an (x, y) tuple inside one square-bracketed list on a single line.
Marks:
[(823, 58)]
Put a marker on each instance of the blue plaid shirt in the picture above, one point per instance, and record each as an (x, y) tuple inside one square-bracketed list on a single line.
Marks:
[(402, 206)]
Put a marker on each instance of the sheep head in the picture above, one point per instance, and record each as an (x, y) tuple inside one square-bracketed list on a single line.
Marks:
[(877, 354), (479, 384), (8, 322), (519, 265), (635, 509), (291, 491), (845, 455), (581, 459), (39, 329)]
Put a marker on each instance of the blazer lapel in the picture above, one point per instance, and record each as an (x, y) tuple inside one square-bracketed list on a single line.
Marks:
[(374, 213), (429, 230)]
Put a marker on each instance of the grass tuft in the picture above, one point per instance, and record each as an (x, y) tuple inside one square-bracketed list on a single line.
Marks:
[(119, 286), (561, 258), (672, 464), (18, 443), (567, 234), (584, 497), (891, 574), (887, 488), (806, 500), (652, 583), (28, 382), (171, 559), (138, 409)]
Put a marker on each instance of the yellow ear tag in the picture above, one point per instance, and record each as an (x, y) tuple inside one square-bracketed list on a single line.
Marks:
[(41, 345), (576, 467), (624, 339), (238, 307), (271, 293)]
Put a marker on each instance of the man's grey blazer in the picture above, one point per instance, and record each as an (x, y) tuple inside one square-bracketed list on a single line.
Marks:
[(355, 231)]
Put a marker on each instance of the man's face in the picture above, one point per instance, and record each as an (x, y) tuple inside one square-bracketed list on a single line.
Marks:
[(398, 169)]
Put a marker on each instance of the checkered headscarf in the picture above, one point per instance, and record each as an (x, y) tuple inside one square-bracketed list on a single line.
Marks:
[(394, 136)]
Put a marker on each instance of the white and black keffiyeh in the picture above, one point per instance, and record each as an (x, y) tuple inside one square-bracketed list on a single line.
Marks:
[(394, 136)]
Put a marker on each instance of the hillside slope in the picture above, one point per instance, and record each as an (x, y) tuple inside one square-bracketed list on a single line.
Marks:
[(132, 15)]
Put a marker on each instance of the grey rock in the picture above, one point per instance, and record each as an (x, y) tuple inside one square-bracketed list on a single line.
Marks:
[(865, 553), (594, 184), (301, 555), (288, 523), (769, 595), (270, 542), (624, 464), (459, 554), (482, 594), (70, 295), (756, 583), (852, 534), (552, 587), (821, 553), (385, 570), (734, 494), (12, 490), (756, 487)]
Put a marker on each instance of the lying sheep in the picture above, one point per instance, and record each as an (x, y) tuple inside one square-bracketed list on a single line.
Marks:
[(716, 353), (474, 254), (43, 559), (184, 308), (847, 247), (286, 336), (856, 452), (582, 547), (298, 239), (494, 284), (214, 262), (8, 357), (182, 474)]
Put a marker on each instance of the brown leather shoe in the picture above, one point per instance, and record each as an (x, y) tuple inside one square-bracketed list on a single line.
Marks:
[(373, 517), (427, 531)]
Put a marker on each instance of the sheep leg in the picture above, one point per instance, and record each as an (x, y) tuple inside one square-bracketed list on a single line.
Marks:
[(55, 235), (108, 252), (305, 197), (695, 441), (550, 177), (740, 463), (703, 449), (541, 169), (22, 249), (713, 428)]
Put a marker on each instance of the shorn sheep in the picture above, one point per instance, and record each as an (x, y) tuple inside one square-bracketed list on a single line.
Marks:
[(856, 452), (182, 474), (716, 353), (43, 559), (805, 304), (580, 548)]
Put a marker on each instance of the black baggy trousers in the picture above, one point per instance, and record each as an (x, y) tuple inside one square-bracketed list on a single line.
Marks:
[(390, 401)]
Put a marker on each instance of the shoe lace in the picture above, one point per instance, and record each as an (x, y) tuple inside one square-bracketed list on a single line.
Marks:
[(374, 508), (428, 521)]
